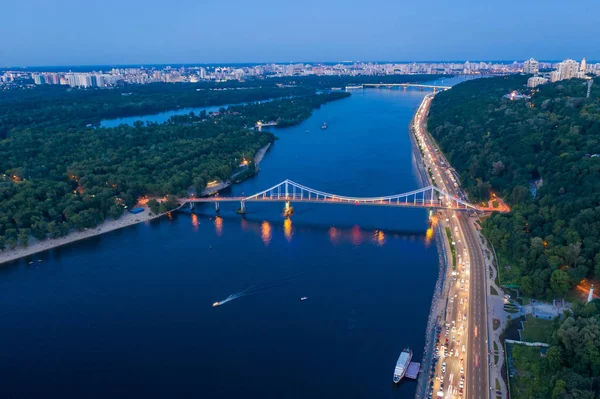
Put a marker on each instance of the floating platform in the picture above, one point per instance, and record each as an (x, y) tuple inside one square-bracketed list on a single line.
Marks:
[(413, 370)]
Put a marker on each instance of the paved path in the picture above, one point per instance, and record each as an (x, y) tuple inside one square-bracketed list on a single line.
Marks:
[(496, 311)]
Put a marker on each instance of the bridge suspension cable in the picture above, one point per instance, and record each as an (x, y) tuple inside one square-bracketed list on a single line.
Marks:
[(288, 190)]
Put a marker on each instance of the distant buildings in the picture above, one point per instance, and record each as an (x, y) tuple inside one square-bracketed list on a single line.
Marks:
[(194, 74), (531, 66), (536, 81), (566, 69)]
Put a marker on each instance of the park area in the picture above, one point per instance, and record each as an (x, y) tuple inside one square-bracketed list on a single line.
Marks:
[(525, 369), (537, 330)]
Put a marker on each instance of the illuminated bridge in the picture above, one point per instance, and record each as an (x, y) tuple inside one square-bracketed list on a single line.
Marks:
[(286, 191), (407, 85)]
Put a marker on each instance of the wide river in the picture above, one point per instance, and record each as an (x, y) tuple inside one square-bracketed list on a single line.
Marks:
[(129, 314)]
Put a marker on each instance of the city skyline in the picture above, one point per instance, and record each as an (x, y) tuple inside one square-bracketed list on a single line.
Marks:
[(136, 33)]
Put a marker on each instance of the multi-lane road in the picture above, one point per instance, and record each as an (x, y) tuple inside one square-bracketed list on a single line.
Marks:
[(462, 367)]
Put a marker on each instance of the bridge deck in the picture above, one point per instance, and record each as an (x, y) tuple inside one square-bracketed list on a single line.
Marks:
[(394, 203)]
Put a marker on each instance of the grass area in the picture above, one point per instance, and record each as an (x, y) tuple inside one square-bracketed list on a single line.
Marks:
[(526, 378), (493, 291), (497, 385), (495, 359), (452, 249), (537, 330), (495, 346)]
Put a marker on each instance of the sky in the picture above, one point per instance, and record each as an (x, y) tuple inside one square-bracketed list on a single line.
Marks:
[(83, 32)]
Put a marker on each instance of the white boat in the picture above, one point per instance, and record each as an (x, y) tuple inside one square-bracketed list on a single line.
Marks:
[(402, 364), (304, 298)]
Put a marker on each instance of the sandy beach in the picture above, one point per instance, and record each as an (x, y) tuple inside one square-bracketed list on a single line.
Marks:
[(127, 219)]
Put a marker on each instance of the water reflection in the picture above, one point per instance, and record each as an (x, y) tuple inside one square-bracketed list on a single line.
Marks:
[(219, 226), (356, 235), (379, 238), (337, 235), (265, 233), (195, 222), (287, 229), (428, 236), (334, 235)]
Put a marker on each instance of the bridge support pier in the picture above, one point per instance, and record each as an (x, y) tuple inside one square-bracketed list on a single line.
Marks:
[(217, 206), (192, 205), (242, 209)]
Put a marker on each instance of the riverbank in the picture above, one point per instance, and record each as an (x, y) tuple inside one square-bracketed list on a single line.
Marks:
[(128, 219), (260, 154), (443, 251)]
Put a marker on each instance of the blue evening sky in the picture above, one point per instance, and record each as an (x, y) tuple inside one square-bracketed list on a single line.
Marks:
[(80, 32)]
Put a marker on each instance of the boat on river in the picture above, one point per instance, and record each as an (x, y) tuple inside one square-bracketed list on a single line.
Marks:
[(324, 126), (402, 364)]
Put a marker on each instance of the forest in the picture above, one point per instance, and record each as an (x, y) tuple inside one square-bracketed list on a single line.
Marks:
[(541, 155), (58, 172), (570, 368)]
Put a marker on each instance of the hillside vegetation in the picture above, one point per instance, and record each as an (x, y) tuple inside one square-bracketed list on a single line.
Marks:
[(539, 155)]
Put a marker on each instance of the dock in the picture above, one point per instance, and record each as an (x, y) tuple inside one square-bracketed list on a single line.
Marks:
[(413, 370)]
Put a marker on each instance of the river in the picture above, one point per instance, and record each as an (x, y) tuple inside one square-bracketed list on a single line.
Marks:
[(129, 313)]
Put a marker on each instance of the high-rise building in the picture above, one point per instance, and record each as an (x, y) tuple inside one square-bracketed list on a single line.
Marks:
[(38, 79), (554, 76), (583, 66), (535, 81), (531, 66), (568, 69)]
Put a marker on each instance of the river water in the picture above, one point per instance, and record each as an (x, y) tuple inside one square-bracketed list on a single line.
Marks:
[(129, 314)]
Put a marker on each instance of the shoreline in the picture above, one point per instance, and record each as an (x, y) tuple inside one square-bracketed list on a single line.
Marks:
[(128, 219), (260, 154), (434, 312)]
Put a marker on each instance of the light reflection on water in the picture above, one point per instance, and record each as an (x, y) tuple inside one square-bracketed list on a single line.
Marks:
[(287, 229), (265, 233), (219, 226), (337, 235), (195, 221)]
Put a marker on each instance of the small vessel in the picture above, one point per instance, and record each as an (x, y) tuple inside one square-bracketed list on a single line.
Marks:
[(324, 126), (402, 364), (307, 131), (304, 298), (216, 304)]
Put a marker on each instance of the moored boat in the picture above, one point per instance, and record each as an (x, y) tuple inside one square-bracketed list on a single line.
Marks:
[(402, 364)]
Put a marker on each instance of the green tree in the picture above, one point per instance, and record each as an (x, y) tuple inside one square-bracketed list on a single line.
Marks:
[(115, 211), (154, 206), (526, 285), (559, 389), (559, 282), (23, 237)]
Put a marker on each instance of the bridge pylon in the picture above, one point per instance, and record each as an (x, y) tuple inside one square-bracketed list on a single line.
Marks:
[(242, 209), (217, 206)]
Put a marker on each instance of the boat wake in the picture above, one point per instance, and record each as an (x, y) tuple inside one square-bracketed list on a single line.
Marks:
[(255, 289)]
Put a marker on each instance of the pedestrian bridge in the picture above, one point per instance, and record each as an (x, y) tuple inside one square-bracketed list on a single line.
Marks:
[(407, 85), (429, 197)]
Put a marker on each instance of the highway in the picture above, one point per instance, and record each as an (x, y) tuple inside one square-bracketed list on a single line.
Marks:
[(462, 367)]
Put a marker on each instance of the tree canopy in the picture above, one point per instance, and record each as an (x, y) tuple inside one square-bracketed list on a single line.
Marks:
[(540, 155), (58, 173)]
